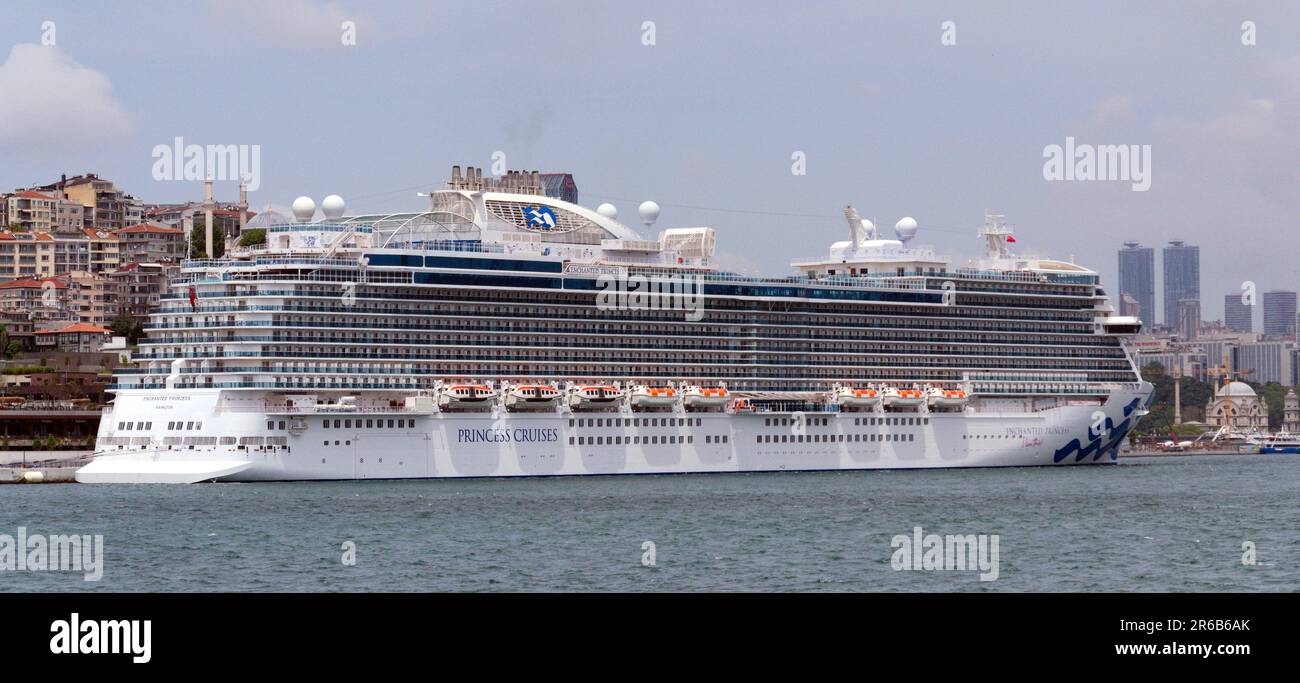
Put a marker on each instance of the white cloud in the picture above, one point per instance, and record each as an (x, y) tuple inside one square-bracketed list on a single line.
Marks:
[(296, 22), (52, 103)]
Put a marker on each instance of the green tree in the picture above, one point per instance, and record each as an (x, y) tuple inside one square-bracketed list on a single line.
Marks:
[(1274, 396), (252, 237), (198, 240), (1195, 395), (13, 348), (126, 326)]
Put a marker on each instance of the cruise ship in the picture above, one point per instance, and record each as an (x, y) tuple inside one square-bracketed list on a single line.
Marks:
[(507, 332)]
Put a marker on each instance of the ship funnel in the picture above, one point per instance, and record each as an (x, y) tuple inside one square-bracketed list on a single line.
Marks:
[(855, 225)]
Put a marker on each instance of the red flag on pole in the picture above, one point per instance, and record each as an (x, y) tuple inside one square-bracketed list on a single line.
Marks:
[(194, 298), (1010, 238)]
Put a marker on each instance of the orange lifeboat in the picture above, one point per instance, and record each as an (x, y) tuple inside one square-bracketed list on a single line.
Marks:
[(465, 397), (902, 398), (849, 397), (649, 398), (704, 398), (946, 398), (532, 397), (594, 397)]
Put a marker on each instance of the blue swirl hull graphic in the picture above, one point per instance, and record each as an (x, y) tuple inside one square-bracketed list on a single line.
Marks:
[(1107, 443)]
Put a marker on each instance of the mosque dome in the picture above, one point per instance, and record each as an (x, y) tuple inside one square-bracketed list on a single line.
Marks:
[(1235, 389), (267, 218)]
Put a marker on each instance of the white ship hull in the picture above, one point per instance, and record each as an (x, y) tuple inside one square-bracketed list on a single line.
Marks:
[(500, 444)]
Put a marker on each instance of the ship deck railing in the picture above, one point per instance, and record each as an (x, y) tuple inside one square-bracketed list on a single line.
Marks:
[(1089, 389), (914, 280)]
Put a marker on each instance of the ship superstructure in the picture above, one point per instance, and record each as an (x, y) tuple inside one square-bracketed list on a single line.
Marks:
[(507, 332)]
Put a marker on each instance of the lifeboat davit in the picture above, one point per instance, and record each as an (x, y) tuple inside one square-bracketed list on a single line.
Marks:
[(705, 398), (946, 398), (532, 397), (594, 397), (902, 398), (849, 397), (649, 398), (465, 397)]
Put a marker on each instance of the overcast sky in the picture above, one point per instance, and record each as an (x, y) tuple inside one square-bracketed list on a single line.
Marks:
[(705, 120)]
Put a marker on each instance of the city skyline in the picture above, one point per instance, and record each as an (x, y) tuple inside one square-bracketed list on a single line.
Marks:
[(1181, 264)]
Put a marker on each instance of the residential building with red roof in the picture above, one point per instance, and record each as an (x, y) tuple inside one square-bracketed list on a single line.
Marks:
[(26, 254), (106, 206), (150, 243), (139, 287), (29, 210), (82, 337)]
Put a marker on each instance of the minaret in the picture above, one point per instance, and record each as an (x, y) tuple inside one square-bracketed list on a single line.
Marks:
[(208, 205), (1291, 413), (243, 206)]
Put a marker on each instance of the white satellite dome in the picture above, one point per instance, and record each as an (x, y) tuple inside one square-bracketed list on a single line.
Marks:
[(906, 228), (608, 211), (868, 228), (304, 208), (332, 206), (649, 212)]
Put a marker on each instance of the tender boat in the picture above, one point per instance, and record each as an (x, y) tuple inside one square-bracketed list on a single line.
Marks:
[(902, 398), (532, 397), (937, 397), (651, 398), (1281, 442), (465, 397), (705, 398), (856, 399), (594, 397)]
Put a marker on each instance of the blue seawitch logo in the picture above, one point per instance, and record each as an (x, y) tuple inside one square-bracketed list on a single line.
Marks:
[(1097, 446), (540, 217)]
